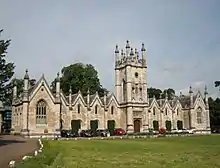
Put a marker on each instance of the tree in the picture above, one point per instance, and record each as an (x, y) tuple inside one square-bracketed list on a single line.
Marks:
[(6, 73), (154, 92), (80, 77), (214, 110), (157, 92), (217, 83)]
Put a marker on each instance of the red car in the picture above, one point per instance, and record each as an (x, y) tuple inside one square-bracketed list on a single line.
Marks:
[(119, 131)]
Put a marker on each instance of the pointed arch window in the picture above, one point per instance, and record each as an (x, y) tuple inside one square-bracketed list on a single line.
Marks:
[(123, 90), (166, 111), (112, 110), (78, 108), (96, 109), (199, 115), (154, 111), (41, 113)]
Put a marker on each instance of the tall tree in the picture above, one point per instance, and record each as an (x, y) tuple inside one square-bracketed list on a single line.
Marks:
[(6, 72), (80, 77), (157, 92), (217, 84), (154, 92)]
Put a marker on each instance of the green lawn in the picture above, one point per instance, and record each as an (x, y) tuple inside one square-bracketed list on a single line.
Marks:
[(178, 152)]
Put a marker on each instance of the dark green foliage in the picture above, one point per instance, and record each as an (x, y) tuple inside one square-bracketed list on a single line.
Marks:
[(156, 125), (179, 125), (217, 83), (6, 73), (214, 110), (157, 92), (94, 125), (80, 77), (168, 125)]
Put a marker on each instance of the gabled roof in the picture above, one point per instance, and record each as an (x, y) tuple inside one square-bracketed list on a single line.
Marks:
[(42, 81)]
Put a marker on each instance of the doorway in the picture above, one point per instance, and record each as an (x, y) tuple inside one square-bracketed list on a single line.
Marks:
[(137, 125)]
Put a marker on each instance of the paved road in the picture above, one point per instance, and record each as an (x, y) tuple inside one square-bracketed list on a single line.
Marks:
[(14, 148)]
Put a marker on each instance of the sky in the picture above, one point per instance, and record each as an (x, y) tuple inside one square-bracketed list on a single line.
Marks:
[(182, 38)]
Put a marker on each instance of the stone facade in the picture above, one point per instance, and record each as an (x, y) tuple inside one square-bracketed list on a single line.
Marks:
[(39, 111)]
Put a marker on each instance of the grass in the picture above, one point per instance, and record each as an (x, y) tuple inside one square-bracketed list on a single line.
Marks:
[(175, 152)]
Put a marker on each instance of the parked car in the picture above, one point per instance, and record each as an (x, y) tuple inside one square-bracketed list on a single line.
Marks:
[(86, 133), (69, 133), (162, 131), (119, 131), (102, 132)]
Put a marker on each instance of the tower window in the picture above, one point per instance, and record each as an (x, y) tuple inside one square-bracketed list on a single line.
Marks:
[(136, 74)]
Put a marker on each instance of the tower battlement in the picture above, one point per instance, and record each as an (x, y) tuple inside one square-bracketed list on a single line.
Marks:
[(130, 56)]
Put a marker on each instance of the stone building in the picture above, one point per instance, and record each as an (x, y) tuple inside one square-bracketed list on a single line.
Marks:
[(40, 111)]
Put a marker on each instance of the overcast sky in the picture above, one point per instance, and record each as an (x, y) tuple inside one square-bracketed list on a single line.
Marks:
[(182, 38)]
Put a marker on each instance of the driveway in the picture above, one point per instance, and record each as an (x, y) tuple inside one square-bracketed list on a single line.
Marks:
[(14, 148)]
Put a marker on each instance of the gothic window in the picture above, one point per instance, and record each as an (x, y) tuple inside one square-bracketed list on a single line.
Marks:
[(96, 109), (112, 110), (141, 92), (166, 111), (154, 111), (78, 108), (41, 112), (136, 74), (124, 89), (199, 115)]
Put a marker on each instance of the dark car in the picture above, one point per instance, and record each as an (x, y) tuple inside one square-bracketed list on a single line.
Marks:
[(102, 132), (86, 133), (69, 133), (119, 131)]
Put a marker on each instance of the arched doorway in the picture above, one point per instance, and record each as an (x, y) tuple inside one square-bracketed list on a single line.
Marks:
[(76, 125), (137, 125)]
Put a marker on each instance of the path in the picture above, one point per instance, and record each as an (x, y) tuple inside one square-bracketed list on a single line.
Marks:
[(14, 148)]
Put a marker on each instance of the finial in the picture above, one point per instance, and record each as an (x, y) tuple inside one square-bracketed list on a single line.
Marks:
[(190, 89), (127, 44), (131, 53), (70, 90), (206, 90), (166, 95), (116, 49), (58, 77), (154, 96), (88, 92), (142, 47), (15, 82), (26, 76)]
